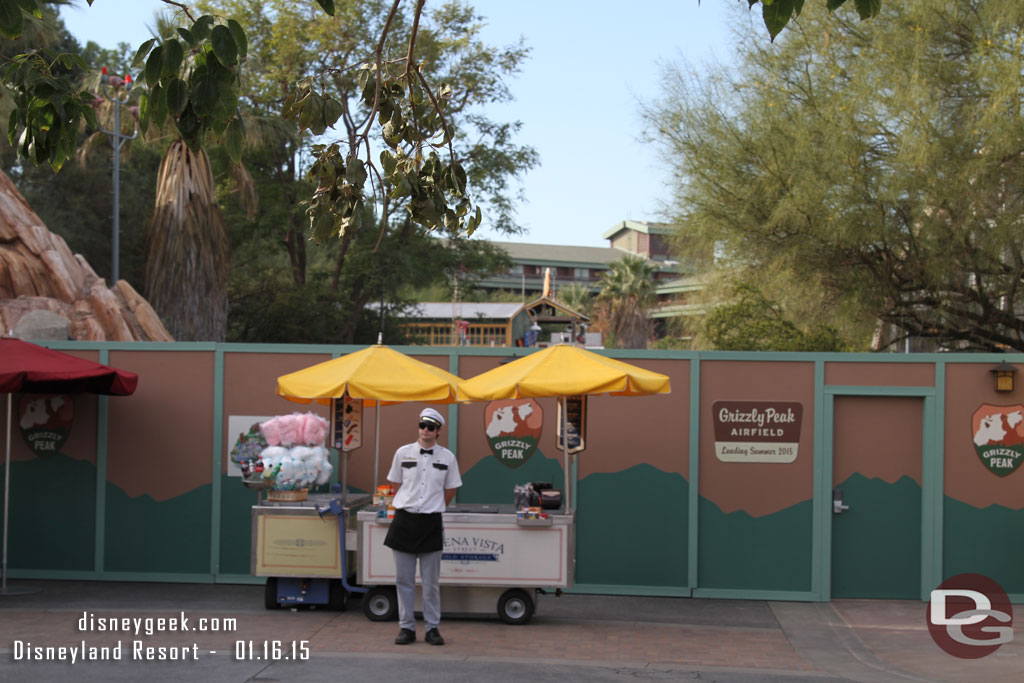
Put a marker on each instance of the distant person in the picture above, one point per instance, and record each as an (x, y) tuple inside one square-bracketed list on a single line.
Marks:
[(428, 475)]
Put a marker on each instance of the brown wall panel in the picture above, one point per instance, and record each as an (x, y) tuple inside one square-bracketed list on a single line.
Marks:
[(161, 436), (966, 479), (756, 488), (473, 446), (623, 431), (880, 374), (860, 421)]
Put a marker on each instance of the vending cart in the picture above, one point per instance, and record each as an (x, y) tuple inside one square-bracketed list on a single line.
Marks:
[(298, 546), (494, 560)]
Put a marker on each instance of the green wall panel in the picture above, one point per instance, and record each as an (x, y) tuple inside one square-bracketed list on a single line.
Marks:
[(489, 481), (53, 514), (984, 541), (876, 544), (236, 503), (631, 528), (144, 535), (737, 551)]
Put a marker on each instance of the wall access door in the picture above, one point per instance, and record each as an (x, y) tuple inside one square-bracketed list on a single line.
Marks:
[(876, 479)]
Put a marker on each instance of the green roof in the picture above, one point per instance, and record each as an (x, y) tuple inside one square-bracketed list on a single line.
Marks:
[(561, 254), (646, 227)]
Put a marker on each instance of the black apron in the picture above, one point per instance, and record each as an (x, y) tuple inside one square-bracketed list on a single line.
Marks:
[(415, 533)]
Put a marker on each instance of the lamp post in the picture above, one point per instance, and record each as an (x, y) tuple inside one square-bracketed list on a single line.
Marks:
[(117, 138)]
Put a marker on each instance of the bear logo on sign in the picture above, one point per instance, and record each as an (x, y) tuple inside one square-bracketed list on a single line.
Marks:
[(999, 437), (513, 429)]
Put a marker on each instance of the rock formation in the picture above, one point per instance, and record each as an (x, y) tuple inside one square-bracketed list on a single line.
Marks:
[(38, 272)]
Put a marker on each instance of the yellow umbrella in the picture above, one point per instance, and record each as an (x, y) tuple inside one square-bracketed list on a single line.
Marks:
[(378, 375), (563, 371)]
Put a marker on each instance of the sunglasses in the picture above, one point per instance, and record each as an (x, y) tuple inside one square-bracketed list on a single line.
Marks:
[(429, 426)]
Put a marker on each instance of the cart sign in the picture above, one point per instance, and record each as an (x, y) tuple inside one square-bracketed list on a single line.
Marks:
[(513, 429), (756, 431), (45, 421), (997, 437), (348, 423), (576, 423)]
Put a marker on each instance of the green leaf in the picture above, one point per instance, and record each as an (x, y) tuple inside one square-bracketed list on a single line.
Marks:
[(11, 21), (204, 93), (144, 113), (833, 5), (188, 124), (158, 105), (776, 15), (389, 161), (332, 111), (187, 35), (201, 27), (177, 96), (224, 45), (355, 172), (233, 139), (868, 8), (328, 6), (241, 42), (12, 126), (155, 66), (173, 53), (142, 52)]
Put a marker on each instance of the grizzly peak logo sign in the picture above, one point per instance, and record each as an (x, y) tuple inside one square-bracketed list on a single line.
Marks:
[(45, 421), (999, 437), (513, 429)]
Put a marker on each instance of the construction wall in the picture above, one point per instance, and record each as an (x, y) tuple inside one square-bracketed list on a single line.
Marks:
[(673, 496)]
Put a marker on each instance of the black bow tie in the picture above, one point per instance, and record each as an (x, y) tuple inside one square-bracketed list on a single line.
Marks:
[(429, 451)]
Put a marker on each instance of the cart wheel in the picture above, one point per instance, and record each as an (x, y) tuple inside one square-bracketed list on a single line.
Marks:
[(515, 607), (270, 594), (380, 603), (337, 596)]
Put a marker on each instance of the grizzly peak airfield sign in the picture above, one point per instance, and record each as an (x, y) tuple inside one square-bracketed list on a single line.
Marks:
[(756, 431)]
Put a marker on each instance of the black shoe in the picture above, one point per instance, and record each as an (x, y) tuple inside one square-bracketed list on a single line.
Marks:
[(405, 636), (434, 637)]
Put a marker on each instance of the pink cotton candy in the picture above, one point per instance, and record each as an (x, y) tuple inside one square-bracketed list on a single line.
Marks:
[(314, 429), (271, 430), (291, 429)]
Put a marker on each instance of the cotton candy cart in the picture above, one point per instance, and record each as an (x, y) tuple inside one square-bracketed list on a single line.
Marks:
[(304, 549)]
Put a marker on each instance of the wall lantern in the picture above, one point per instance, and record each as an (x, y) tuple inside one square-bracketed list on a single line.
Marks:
[(1004, 376)]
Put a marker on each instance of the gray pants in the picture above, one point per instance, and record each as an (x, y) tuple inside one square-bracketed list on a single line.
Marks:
[(405, 583)]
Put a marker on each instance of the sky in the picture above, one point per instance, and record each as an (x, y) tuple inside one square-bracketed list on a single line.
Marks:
[(577, 97)]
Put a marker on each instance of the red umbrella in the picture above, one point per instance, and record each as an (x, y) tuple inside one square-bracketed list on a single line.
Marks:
[(28, 368)]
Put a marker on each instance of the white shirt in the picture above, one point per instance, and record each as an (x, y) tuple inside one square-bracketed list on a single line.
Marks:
[(423, 478)]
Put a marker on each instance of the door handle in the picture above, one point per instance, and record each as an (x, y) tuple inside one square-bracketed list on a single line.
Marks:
[(837, 502)]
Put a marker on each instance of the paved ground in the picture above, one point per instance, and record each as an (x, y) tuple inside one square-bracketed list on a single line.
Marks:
[(573, 637)]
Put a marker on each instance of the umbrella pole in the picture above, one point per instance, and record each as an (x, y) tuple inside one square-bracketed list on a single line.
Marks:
[(7, 492), (376, 448), (569, 502), (344, 478)]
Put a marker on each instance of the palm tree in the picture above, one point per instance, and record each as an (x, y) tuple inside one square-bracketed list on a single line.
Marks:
[(187, 249), (627, 293)]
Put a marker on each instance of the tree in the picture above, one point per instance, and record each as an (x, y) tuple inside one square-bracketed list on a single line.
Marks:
[(384, 251), (865, 171), (627, 293), (750, 322)]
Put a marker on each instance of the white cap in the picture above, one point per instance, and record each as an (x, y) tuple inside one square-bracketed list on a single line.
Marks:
[(432, 415)]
